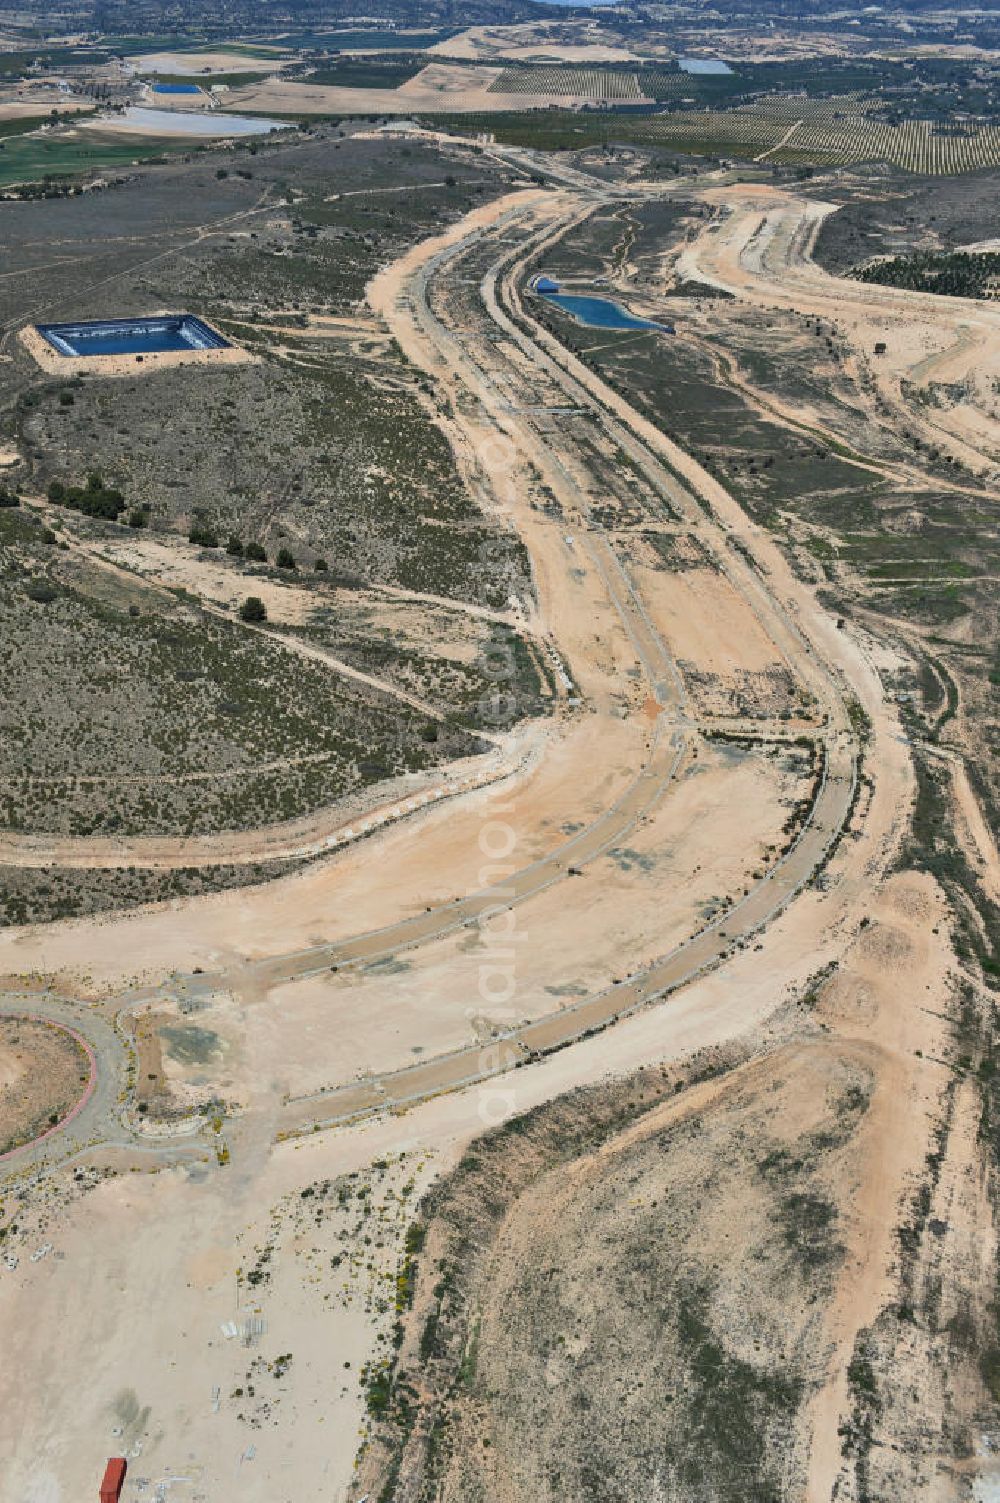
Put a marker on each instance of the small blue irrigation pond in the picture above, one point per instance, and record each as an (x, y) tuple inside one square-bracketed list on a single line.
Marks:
[(133, 336), (600, 312), (176, 88), (703, 66), (171, 122)]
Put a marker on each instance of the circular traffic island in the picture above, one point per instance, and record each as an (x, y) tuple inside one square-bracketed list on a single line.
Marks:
[(47, 1074)]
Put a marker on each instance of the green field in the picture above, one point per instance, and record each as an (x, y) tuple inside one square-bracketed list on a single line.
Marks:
[(367, 73), (22, 126), (31, 159), (205, 80), (791, 131)]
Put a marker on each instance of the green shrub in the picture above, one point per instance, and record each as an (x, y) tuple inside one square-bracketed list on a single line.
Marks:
[(41, 591), (203, 537), (253, 609), (95, 499)]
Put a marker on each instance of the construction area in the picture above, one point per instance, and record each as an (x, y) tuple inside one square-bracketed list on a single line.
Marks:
[(507, 1016)]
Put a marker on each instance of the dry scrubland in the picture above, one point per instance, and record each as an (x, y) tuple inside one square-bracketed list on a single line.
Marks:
[(761, 1269), (691, 1253), (617, 1282), (750, 1258), (43, 1073), (327, 447), (871, 477)]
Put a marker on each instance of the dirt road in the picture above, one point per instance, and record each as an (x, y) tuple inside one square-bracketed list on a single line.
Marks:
[(622, 762), (757, 245)]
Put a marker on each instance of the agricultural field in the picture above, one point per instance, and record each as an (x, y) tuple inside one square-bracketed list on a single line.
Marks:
[(585, 83), (955, 274), (366, 72), (834, 134), (819, 134), (52, 159), (209, 80), (917, 146)]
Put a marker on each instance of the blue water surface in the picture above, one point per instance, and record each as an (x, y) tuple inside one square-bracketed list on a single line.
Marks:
[(703, 65), (176, 88), (600, 312), (133, 336)]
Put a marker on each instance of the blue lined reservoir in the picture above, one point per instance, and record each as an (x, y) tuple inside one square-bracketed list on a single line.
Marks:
[(169, 333), (600, 312), (176, 88), (706, 67)]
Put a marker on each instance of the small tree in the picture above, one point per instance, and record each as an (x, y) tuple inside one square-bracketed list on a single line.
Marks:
[(253, 609), (255, 553), (235, 548), (321, 566), (286, 559)]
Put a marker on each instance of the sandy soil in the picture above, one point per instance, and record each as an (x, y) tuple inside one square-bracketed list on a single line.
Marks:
[(639, 900), (890, 993), (159, 1254), (43, 1072), (707, 622), (533, 41), (758, 247), (39, 102), (438, 87), (205, 63)]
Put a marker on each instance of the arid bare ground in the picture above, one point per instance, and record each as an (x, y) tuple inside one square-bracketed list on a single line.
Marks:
[(442, 86), (237, 1237), (43, 1073), (757, 244), (705, 1269), (570, 43)]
